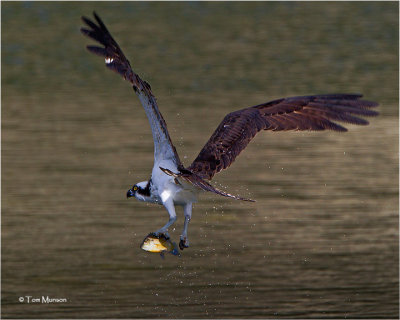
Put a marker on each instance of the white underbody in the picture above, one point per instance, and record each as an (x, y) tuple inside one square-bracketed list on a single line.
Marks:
[(165, 188)]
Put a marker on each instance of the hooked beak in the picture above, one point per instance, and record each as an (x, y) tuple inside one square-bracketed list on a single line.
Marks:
[(130, 193)]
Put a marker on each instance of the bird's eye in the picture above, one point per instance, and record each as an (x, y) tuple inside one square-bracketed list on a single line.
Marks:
[(135, 188)]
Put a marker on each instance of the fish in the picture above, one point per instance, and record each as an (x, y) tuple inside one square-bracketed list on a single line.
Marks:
[(159, 244)]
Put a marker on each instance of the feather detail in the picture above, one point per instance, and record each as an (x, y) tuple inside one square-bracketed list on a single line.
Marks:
[(238, 128)]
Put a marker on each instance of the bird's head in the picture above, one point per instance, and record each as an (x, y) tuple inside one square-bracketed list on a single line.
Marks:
[(140, 191)]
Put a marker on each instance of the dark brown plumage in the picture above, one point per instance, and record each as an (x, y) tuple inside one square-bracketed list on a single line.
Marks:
[(297, 113), (111, 49)]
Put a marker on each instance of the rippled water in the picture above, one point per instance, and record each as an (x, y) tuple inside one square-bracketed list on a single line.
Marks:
[(321, 240)]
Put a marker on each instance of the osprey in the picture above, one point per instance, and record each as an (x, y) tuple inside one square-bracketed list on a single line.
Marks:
[(171, 183)]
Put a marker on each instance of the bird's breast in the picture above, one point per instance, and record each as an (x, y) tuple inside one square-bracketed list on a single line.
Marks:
[(167, 186), (178, 192)]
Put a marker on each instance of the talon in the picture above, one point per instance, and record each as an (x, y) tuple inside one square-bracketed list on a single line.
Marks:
[(183, 243), (160, 234)]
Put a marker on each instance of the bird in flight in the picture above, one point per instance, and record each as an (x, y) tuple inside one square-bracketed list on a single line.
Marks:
[(171, 183)]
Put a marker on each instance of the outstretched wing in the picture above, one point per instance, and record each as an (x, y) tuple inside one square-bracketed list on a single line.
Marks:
[(297, 113), (116, 60)]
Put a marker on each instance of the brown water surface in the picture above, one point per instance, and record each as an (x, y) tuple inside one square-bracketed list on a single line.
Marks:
[(321, 240)]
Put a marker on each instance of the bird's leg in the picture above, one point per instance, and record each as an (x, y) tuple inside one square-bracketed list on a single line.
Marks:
[(187, 210), (169, 205)]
